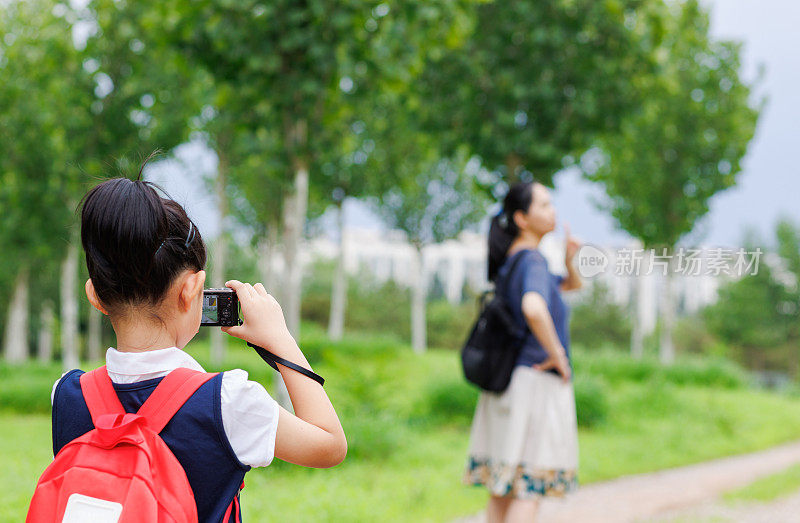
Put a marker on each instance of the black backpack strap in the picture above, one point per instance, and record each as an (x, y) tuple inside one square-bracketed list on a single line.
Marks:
[(518, 257)]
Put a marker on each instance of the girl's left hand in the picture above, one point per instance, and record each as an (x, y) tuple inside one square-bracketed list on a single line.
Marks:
[(571, 244)]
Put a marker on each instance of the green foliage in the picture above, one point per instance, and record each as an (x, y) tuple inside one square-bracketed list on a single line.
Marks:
[(596, 320), (371, 306), (691, 334), (26, 389), (591, 401), (685, 141), (430, 199), (759, 314), (746, 311), (535, 82), (289, 83), (38, 64), (384, 308), (448, 324), (617, 367), (72, 112), (450, 401)]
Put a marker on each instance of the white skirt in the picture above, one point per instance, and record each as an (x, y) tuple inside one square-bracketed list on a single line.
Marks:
[(524, 441)]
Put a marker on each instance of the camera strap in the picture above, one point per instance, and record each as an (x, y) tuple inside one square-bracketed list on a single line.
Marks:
[(273, 360)]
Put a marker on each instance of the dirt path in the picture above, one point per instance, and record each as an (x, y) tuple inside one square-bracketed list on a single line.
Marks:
[(783, 510), (671, 493)]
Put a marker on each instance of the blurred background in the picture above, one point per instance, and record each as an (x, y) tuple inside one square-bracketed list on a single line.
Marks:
[(349, 155)]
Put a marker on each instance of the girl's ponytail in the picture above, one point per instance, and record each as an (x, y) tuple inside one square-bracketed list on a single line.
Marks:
[(136, 242), (503, 230)]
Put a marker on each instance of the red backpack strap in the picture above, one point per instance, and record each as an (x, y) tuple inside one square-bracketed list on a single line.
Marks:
[(170, 395), (234, 503), (99, 394)]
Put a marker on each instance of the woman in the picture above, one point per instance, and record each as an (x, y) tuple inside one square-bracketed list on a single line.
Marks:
[(524, 442)]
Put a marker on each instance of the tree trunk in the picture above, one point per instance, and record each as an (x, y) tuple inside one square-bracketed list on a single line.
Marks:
[(513, 164), (94, 339), (44, 345), (266, 252), (637, 332), (69, 308), (294, 218), (666, 347), (418, 321), (339, 288), (15, 339), (220, 251)]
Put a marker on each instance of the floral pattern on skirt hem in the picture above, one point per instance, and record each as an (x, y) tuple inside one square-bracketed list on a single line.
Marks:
[(515, 480)]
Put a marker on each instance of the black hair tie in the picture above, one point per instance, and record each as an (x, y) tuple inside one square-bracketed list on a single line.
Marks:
[(189, 238)]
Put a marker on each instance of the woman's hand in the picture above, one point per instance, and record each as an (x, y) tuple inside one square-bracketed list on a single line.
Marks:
[(263, 322), (560, 362), (571, 245)]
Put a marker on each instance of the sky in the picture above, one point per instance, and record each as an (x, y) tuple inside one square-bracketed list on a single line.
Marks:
[(768, 187)]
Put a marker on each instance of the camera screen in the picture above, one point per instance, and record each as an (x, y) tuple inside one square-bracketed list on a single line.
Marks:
[(210, 309)]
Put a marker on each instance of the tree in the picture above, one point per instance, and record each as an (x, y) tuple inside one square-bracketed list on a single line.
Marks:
[(38, 64), (682, 145), (758, 314), (433, 199), (597, 319), (69, 112), (293, 70), (535, 83), (341, 177)]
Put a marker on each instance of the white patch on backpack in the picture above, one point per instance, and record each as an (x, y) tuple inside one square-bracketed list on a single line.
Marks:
[(81, 509)]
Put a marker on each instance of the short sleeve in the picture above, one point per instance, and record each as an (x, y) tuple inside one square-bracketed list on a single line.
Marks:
[(249, 417), (55, 386), (537, 278)]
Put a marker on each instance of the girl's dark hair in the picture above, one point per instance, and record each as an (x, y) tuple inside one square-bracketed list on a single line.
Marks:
[(136, 242), (502, 229)]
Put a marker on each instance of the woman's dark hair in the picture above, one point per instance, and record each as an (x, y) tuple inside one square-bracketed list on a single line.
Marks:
[(136, 242), (502, 229)]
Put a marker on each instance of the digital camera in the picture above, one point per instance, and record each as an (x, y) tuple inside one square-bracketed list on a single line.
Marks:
[(220, 308)]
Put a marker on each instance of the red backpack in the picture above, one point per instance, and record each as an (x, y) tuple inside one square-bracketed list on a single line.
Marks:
[(121, 471)]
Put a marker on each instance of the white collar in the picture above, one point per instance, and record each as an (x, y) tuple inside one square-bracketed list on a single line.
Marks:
[(130, 367)]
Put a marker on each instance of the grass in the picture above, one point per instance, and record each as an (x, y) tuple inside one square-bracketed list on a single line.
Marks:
[(407, 418), (25, 450), (768, 488)]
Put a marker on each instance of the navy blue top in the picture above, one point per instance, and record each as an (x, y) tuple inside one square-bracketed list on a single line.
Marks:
[(195, 436), (532, 274)]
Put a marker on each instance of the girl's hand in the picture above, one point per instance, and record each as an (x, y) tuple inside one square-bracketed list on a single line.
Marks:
[(558, 362), (263, 322)]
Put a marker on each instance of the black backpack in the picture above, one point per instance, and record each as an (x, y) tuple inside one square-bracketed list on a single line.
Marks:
[(490, 353)]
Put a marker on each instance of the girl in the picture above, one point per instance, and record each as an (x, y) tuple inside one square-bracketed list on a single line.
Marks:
[(145, 259), (524, 442)]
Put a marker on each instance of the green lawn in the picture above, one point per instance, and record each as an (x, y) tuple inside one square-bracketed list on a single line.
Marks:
[(407, 421), (768, 488)]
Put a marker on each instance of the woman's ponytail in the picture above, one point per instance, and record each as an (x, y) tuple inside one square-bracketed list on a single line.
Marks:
[(503, 230)]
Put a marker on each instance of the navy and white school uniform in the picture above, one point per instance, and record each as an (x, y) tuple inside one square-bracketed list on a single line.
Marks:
[(226, 427), (524, 441)]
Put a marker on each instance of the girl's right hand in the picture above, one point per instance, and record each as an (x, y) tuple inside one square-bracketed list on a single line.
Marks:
[(263, 322)]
